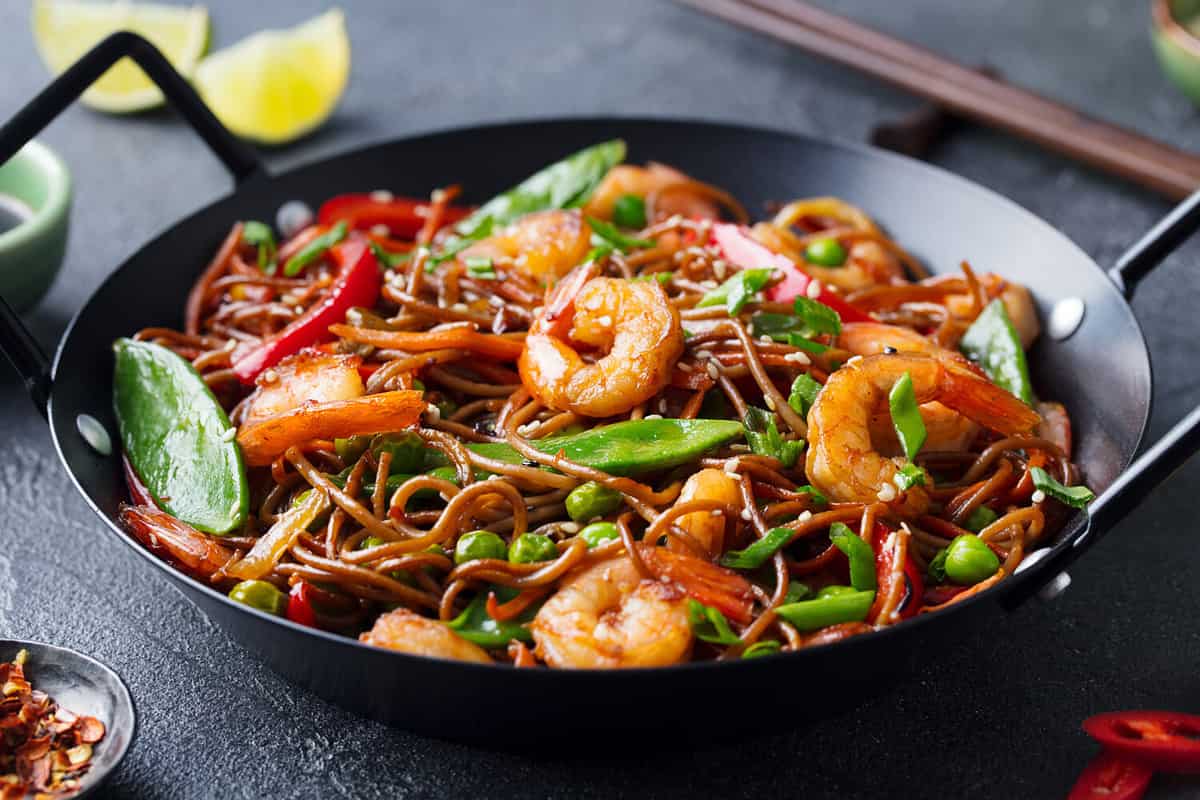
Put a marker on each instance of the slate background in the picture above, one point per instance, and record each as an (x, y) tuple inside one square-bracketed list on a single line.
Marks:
[(999, 718)]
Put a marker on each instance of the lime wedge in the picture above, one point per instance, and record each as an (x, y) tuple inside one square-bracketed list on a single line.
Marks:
[(66, 29), (276, 86)]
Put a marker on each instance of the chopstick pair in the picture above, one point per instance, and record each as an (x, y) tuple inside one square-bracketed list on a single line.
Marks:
[(967, 92)]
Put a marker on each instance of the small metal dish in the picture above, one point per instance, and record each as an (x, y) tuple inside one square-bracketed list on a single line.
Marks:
[(87, 687)]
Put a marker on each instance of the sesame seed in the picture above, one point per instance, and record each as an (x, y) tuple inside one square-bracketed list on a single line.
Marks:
[(718, 267), (1038, 497), (731, 468), (298, 309), (764, 339), (799, 357), (804, 516), (813, 291), (605, 321), (770, 402), (270, 376), (674, 221), (382, 196), (389, 275), (229, 435), (683, 366), (433, 411), (709, 284), (703, 355), (381, 230), (678, 257), (887, 493), (570, 527), (716, 512), (713, 372), (745, 514), (459, 307)]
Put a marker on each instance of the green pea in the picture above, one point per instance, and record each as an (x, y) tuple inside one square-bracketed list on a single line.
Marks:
[(969, 560), (834, 591), (479, 544), (980, 518), (592, 499), (826, 252), (350, 448), (261, 595), (598, 533), (529, 548), (369, 542), (629, 211)]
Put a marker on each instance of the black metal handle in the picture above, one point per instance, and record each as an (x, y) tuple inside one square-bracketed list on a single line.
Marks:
[(1158, 243), (239, 158)]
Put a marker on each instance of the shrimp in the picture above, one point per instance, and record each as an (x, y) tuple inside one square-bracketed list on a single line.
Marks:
[(841, 460), (407, 632), (867, 262), (309, 376), (1018, 302), (641, 181), (706, 530), (947, 430), (606, 616), (635, 322), (545, 244)]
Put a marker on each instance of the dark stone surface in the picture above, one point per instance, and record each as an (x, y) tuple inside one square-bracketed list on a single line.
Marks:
[(1000, 718)]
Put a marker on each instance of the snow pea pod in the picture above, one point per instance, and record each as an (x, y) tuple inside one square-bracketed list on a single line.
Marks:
[(178, 438), (831, 609), (993, 343)]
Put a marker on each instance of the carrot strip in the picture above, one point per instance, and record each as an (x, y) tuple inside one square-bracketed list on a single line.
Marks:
[(503, 348)]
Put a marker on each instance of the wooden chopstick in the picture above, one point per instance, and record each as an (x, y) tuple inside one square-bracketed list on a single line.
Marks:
[(1160, 167)]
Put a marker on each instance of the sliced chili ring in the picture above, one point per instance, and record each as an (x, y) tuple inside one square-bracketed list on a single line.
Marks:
[(1111, 777), (1163, 740)]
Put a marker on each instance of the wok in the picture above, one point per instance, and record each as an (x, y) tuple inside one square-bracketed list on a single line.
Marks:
[(941, 218)]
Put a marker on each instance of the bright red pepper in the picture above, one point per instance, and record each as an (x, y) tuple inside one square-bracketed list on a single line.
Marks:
[(739, 247), (1110, 777), (300, 607), (357, 284), (404, 216), (915, 590), (1163, 740)]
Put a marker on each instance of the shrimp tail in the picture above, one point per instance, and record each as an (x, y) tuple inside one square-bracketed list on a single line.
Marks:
[(703, 581), (985, 402)]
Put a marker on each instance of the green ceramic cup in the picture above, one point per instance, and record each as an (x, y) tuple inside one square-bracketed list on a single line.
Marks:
[(1175, 43), (32, 252)]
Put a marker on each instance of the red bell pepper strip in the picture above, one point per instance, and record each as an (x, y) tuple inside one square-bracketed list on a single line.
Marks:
[(299, 607), (738, 247), (884, 559), (1111, 777), (357, 284), (404, 216), (1162, 740)]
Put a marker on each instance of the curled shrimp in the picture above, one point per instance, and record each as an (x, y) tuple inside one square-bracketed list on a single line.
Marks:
[(702, 527), (867, 262), (634, 322), (545, 244), (407, 632), (842, 461), (676, 192), (607, 616)]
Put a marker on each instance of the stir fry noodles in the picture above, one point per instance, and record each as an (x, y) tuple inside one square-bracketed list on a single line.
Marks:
[(603, 420)]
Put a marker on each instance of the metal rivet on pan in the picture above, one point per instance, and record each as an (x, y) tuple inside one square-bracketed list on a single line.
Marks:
[(1055, 587), (94, 434), (1065, 318), (292, 217)]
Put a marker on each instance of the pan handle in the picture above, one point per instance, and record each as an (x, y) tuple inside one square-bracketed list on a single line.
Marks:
[(1158, 243), (17, 343)]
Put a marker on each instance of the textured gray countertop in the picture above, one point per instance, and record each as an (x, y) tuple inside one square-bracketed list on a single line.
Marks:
[(1000, 717)]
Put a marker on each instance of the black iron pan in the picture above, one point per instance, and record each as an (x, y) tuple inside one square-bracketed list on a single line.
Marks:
[(939, 217)]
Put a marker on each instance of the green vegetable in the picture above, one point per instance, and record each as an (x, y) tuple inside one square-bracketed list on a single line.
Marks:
[(737, 290), (1074, 496), (969, 560), (350, 448), (980, 518), (816, 317), (663, 278), (993, 343), (598, 533), (762, 434), (767, 647), (757, 553), (629, 211), (796, 592), (261, 595), (709, 624), (407, 449), (387, 260), (480, 267), (937, 566), (835, 591), (804, 393), (906, 418), (910, 475), (832, 609), (178, 438), (474, 624), (479, 544), (592, 499), (632, 447), (608, 234), (598, 252), (817, 497), (565, 184), (257, 234), (530, 548), (826, 252), (315, 249), (369, 542), (860, 555)]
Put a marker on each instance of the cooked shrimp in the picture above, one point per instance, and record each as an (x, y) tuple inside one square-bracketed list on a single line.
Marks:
[(706, 530), (650, 179), (407, 632), (607, 616), (310, 376), (545, 244), (634, 322), (867, 263), (1018, 302), (843, 463)]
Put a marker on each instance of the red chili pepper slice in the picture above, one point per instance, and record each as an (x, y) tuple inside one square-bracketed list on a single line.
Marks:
[(1162, 740), (738, 246), (1111, 777), (357, 284), (914, 591), (404, 216), (300, 608)]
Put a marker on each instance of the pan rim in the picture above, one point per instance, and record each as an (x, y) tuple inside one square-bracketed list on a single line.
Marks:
[(997, 593)]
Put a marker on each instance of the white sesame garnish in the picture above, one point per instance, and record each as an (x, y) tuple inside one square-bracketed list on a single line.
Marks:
[(709, 284), (1038, 497), (719, 266), (678, 256), (229, 435), (717, 512), (764, 339), (713, 371), (887, 493), (683, 366), (382, 196), (799, 357), (704, 355), (674, 221), (298, 309), (770, 402), (605, 321), (804, 516), (731, 468), (813, 291), (745, 514), (459, 307), (570, 527), (433, 412), (270, 376), (389, 275), (381, 230)]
